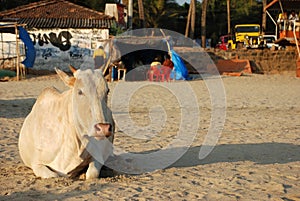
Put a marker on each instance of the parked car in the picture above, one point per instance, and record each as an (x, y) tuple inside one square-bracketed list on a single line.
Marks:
[(246, 36), (223, 42), (270, 41)]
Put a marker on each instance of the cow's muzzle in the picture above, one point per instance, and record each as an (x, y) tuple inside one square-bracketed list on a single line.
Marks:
[(103, 130)]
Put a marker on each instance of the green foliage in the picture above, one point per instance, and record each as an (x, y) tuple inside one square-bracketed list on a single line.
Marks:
[(115, 30), (165, 14)]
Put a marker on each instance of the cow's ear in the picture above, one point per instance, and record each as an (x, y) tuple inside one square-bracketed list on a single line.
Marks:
[(68, 80)]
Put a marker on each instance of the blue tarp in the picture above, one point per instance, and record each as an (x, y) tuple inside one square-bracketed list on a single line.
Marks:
[(180, 69), (30, 51)]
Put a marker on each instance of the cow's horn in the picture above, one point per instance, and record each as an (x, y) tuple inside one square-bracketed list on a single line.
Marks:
[(72, 68)]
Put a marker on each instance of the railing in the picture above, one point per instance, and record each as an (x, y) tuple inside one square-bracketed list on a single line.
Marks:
[(295, 30)]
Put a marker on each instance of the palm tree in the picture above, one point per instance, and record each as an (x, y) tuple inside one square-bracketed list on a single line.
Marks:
[(203, 23), (141, 13), (228, 17), (191, 20), (264, 17), (155, 11)]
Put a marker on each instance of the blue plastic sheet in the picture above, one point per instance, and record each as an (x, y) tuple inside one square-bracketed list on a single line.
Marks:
[(180, 69), (30, 51)]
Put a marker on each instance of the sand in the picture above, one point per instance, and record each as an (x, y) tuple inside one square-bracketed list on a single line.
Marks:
[(257, 156)]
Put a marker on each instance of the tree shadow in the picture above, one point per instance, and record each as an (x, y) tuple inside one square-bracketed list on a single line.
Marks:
[(17, 108)]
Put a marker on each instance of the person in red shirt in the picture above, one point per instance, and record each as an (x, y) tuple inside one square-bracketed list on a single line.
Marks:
[(167, 67), (168, 62)]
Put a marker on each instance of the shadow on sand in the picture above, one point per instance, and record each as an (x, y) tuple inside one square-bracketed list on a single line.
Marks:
[(263, 153), (17, 108)]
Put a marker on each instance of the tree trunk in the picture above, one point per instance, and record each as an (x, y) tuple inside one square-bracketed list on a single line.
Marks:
[(193, 19), (130, 14), (264, 17), (141, 14), (187, 28), (203, 23), (228, 17)]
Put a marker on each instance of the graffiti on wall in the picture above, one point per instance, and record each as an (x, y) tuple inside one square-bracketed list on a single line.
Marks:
[(62, 47), (62, 40)]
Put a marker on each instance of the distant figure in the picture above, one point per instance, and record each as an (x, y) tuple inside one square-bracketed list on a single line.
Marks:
[(99, 57), (166, 68), (154, 69), (168, 62), (282, 21), (155, 62), (292, 18)]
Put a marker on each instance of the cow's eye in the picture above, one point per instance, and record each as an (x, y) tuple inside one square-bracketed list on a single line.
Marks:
[(80, 92)]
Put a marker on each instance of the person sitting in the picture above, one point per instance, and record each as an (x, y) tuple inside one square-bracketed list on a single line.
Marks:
[(155, 62), (154, 69), (167, 67), (282, 21), (168, 62), (292, 18)]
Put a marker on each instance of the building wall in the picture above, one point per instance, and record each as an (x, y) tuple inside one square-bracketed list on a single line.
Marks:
[(64, 47)]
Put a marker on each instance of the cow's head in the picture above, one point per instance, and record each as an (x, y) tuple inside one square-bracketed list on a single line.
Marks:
[(90, 112)]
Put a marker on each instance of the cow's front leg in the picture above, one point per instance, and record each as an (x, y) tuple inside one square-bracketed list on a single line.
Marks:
[(93, 170), (43, 171)]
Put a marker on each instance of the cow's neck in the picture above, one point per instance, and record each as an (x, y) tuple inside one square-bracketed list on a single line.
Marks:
[(74, 133)]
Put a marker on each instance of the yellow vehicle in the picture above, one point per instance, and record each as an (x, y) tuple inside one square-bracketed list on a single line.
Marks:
[(246, 36)]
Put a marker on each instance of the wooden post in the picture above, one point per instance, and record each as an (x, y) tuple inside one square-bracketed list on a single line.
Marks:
[(264, 17), (228, 17), (17, 51), (193, 19), (130, 14), (203, 23), (187, 28)]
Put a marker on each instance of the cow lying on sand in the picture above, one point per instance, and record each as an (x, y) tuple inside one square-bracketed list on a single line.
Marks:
[(65, 131)]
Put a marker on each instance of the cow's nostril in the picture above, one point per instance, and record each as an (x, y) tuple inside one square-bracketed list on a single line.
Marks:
[(105, 128)]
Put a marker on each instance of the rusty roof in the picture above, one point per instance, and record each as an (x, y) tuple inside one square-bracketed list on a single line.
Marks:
[(57, 14)]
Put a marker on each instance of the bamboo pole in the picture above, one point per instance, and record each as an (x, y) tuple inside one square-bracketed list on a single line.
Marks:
[(17, 52), (228, 17), (187, 28), (193, 19)]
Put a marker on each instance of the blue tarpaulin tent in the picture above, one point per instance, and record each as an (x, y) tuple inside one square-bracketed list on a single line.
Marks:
[(180, 69), (30, 51)]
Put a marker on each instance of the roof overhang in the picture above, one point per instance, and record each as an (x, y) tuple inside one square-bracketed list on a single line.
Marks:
[(283, 4)]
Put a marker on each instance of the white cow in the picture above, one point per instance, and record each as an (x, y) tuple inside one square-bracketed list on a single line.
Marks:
[(66, 132)]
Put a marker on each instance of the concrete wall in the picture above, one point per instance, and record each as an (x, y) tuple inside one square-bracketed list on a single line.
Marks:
[(262, 61)]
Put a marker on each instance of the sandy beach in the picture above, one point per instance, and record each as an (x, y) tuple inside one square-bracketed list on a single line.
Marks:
[(257, 156)]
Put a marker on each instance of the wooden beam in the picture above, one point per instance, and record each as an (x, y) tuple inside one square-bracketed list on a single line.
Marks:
[(270, 4)]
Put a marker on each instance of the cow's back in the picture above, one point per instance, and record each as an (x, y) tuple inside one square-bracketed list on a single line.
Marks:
[(39, 137)]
